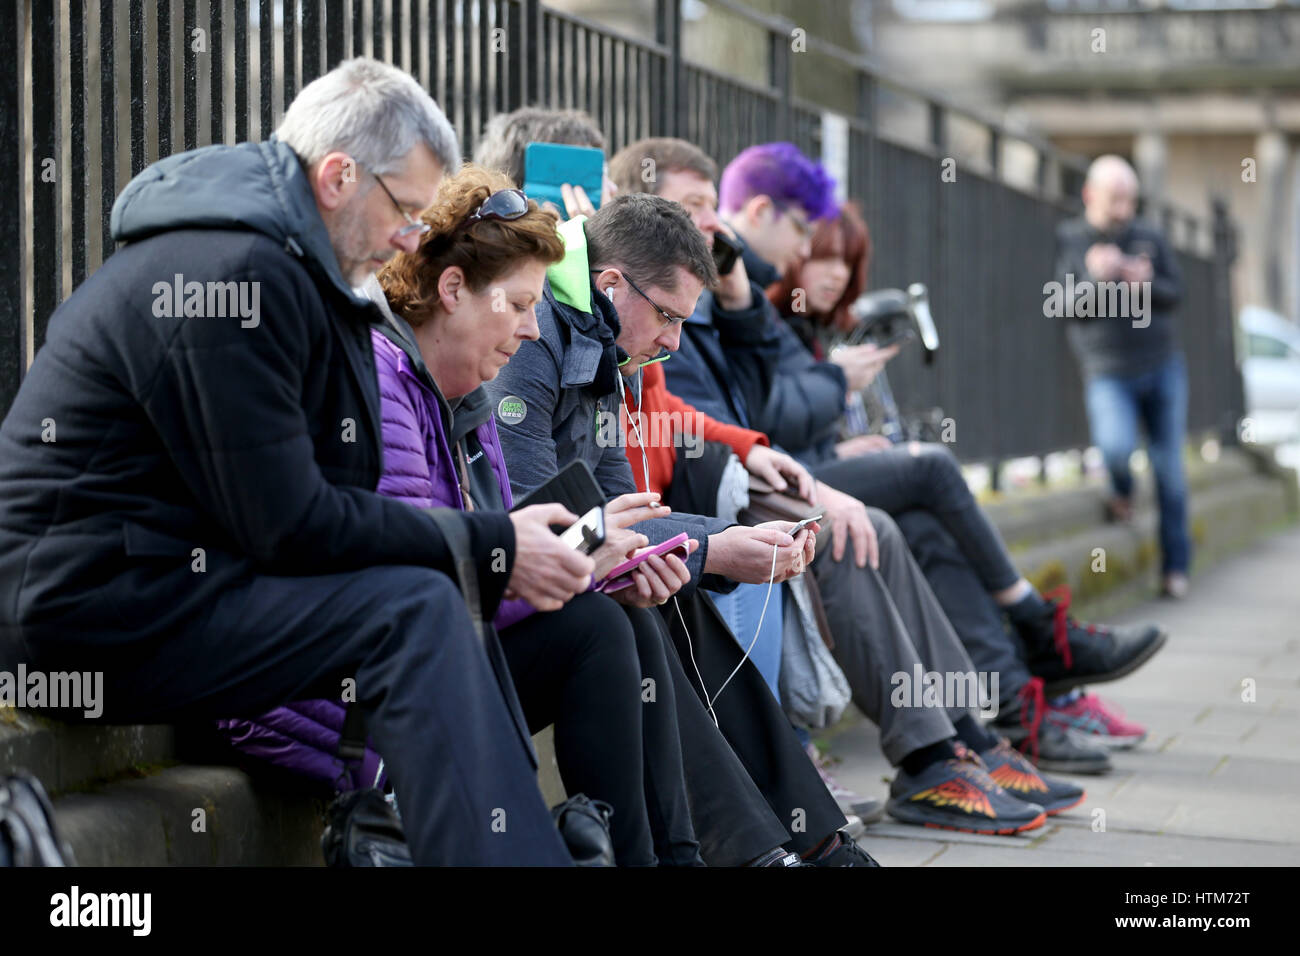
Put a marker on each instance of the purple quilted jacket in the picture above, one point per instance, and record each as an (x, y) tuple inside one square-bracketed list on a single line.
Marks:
[(303, 737)]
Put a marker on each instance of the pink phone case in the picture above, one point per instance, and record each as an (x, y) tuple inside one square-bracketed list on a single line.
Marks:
[(621, 576)]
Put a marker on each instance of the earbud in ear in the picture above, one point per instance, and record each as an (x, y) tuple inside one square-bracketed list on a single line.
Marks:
[(609, 290)]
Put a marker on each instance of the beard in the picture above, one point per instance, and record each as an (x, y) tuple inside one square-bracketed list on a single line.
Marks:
[(348, 238)]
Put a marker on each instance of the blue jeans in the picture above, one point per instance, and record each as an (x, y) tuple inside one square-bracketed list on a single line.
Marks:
[(741, 610), (1159, 400)]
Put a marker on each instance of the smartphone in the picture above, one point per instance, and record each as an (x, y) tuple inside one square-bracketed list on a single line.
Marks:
[(621, 576), (725, 253), (548, 166), (805, 523), (587, 533)]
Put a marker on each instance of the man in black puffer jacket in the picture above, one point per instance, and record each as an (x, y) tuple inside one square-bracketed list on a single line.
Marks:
[(188, 473)]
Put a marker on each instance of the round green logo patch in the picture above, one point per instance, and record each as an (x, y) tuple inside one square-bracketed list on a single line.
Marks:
[(511, 410)]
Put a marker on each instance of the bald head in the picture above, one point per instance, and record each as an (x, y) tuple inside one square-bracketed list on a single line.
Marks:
[(1110, 193)]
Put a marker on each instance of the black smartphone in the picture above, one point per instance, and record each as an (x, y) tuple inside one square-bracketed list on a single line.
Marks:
[(725, 253)]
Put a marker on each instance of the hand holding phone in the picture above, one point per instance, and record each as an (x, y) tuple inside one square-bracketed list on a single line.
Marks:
[(725, 252), (621, 576), (545, 572), (587, 533), (549, 167), (805, 523)]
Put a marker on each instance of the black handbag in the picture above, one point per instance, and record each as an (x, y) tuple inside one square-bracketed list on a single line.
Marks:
[(363, 830), (28, 834)]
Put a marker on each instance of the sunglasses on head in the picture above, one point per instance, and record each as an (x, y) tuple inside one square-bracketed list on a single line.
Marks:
[(505, 204)]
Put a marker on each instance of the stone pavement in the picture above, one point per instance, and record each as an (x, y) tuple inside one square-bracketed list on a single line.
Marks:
[(1218, 780)]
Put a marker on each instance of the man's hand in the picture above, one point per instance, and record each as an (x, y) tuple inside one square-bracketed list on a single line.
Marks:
[(848, 519), (547, 573), (862, 363), (1136, 269), (656, 579), (862, 445), (732, 291), (745, 554), (620, 514), (1103, 260), (626, 510), (780, 471)]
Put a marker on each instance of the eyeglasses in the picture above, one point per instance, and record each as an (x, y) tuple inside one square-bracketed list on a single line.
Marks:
[(413, 227), (504, 204), (667, 318)]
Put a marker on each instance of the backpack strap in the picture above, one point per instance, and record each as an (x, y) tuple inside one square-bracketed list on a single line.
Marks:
[(352, 738), (457, 538)]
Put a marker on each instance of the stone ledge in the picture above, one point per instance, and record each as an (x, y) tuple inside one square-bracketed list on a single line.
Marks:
[(68, 756), (150, 822), (1035, 516)]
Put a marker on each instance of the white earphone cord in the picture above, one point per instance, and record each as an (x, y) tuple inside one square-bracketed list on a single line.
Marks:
[(690, 645)]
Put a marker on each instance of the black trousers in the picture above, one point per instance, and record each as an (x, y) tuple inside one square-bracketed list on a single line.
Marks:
[(974, 615), (756, 728), (578, 668), (926, 476), (435, 707)]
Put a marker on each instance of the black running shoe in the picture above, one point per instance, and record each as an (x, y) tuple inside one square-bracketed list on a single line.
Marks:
[(1066, 653), (1047, 746), (1010, 770), (958, 794), (843, 852)]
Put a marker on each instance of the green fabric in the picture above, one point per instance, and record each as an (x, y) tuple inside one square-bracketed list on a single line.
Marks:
[(570, 279)]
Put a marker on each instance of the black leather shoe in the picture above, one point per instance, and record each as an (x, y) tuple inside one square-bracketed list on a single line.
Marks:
[(1066, 653)]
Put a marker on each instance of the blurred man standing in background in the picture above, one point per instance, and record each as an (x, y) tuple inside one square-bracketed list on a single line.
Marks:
[(1132, 365)]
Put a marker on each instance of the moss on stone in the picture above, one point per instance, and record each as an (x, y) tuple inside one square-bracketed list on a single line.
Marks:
[(1051, 574), (1200, 531)]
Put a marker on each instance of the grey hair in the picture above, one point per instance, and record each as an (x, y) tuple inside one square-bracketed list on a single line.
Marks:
[(506, 135), (374, 112)]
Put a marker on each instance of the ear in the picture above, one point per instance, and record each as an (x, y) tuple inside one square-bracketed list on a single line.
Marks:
[(335, 180), (607, 279), (451, 288), (758, 210)]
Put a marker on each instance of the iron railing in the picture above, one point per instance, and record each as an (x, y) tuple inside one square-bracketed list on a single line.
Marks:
[(91, 91)]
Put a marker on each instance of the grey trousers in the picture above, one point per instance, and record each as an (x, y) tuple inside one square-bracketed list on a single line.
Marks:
[(886, 623)]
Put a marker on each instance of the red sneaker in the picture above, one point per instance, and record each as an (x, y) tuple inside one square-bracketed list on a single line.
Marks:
[(1089, 721)]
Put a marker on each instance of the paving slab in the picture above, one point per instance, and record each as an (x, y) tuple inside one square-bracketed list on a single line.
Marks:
[(1215, 783)]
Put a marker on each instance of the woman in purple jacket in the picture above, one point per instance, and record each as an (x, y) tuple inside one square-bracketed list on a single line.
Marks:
[(468, 296)]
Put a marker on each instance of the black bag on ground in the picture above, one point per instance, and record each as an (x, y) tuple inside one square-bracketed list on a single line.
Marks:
[(28, 834), (363, 830)]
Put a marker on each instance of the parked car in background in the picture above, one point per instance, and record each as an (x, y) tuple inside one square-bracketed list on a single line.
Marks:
[(1270, 372)]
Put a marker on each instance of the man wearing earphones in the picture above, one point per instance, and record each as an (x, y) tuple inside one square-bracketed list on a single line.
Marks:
[(615, 303)]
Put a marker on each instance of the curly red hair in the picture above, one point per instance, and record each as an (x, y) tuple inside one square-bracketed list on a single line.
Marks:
[(486, 251)]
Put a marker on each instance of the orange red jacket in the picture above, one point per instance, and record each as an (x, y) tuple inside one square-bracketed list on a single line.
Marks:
[(662, 419)]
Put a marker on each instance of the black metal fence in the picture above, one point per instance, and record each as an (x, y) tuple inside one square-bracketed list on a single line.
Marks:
[(91, 91)]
